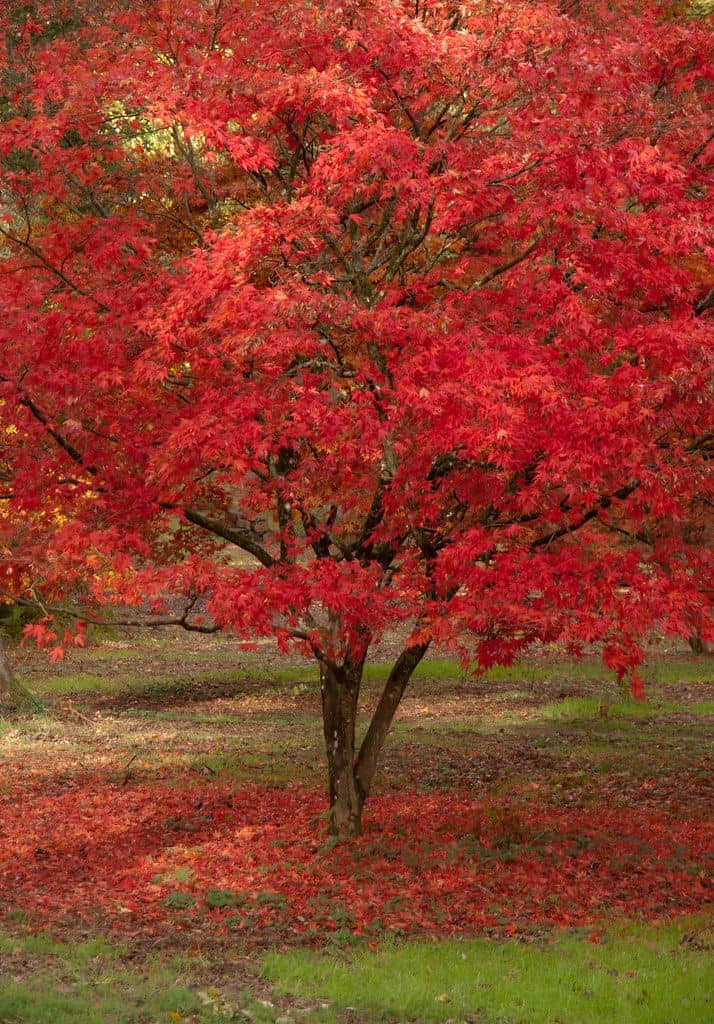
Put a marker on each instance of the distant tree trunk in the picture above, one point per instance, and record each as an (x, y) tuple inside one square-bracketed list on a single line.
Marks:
[(698, 645), (695, 639), (13, 695), (350, 773)]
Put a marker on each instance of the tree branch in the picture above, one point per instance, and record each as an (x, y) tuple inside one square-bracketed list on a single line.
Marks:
[(700, 149), (147, 623), (38, 254), (592, 512), (64, 444), (396, 684), (241, 538), (704, 303), (497, 271)]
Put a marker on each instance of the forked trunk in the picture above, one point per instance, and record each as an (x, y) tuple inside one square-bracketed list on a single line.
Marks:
[(351, 772)]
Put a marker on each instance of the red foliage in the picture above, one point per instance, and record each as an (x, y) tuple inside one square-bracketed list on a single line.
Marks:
[(408, 304), (433, 863), (418, 297)]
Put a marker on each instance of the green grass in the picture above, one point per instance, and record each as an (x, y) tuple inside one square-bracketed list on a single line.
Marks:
[(702, 707), (691, 669), (573, 709), (249, 673), (241, 670), (48, 982), (168, 684), (622, 715), (79, 682), (87, 983), (636, 976), (273, 765)]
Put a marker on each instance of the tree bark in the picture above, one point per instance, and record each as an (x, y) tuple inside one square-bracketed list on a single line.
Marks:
[(697, 644), (339, 688), (384, 713), (13, 695), (350, 773)]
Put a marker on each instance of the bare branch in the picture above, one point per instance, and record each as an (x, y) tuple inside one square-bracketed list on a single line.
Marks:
[(700, 149), (143, 623), (515, 174), (234, 535), (64, 444), (705, 303), (58, 273), (497, 271), (592, 513)]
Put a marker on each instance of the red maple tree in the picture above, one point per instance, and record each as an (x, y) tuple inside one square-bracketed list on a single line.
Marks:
[(407, 303)]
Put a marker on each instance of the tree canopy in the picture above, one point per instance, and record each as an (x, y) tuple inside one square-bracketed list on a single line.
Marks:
[(407, 303)]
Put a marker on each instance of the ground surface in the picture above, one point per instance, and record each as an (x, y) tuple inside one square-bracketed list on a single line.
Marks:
[(162, 830)]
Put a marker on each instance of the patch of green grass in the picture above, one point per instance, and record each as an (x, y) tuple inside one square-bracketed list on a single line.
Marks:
[(179, 901), (47, 982), (235, 667), (450, 669), (248, 678), (180, 875), (694, 669), (181, 715), (433, 668), (436, 732), (155, 686), (573, 709), (622, 717), (528, 673), (611, 716), (267, 760), (635, 976), (225, 898), (80, 682), (75, 955), (701, 707)]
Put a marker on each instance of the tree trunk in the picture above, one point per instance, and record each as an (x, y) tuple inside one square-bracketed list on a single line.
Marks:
[(13, 695), (388, 703), (697, 644), (339, 687), (351, 773)]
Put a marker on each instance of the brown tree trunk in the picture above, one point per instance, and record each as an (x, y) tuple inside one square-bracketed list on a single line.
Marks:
[(698, 645), (339, 687), (350, 773), (13, 695), (392, 694)]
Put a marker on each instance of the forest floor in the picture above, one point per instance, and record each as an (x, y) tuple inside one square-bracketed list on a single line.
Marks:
[(538, 848)]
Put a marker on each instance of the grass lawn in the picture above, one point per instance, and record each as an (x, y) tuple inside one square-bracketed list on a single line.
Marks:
[(631, 976), (48, 982), (163, 855)]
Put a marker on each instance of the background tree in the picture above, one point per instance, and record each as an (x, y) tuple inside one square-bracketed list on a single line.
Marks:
[(391, 299)]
